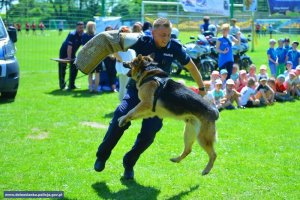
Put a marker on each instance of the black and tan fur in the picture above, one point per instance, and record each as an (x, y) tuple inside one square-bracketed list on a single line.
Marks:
[(175, 101)]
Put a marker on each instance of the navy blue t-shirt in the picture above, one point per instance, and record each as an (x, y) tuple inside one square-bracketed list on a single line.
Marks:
[(204, 26), (86, 37), (163, 56), (73, 39)]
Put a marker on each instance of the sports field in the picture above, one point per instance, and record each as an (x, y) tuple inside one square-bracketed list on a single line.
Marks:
[(49, 139)]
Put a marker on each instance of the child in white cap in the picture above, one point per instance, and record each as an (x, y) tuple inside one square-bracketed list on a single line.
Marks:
[(218, 94), (262, 72), (231, 95)]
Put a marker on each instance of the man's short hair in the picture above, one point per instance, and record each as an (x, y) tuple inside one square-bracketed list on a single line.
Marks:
[(79, 23), (162, 22)]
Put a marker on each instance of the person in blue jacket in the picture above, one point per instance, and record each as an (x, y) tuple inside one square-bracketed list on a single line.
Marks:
[(68, 51)]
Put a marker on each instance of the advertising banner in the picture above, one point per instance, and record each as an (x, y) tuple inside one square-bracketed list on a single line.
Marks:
[(250, 5), (283, 6), (217, 7)]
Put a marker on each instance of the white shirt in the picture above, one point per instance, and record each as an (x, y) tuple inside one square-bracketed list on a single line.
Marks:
[(234, 30), (126, 56), (246, 93)]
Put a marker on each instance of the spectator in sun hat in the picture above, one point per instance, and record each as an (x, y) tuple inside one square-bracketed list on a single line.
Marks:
[(287, 44), (293, 55), (242, 80), (218, 94), (231, 95), (272, 57), (215, 75), (224, 77), (262, 72), (281, 55)]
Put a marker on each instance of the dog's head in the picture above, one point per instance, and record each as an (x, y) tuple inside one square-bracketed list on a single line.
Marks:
[(138, 66)]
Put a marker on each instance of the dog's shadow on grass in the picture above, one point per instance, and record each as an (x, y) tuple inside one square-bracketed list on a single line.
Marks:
[(135, 190)]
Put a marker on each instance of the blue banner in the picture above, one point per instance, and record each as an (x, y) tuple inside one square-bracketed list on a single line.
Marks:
[(216, 7), (284, 6)]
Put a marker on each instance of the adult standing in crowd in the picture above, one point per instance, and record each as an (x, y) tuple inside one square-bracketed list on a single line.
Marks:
[(147, 28), (27, 27), (33, 27), (224, 48), (204, 26), (121, 57), (234, 29), (60, 27), (89, 34), (42, 27), (67, 51), (165, 50)]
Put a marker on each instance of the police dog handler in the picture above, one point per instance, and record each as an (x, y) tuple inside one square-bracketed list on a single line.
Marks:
[(163, 50)]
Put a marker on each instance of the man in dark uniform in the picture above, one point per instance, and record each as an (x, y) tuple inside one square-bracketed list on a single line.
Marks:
[(67, 51), (164, 50)]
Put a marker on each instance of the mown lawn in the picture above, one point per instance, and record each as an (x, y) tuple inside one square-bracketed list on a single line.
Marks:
[(49, 139)]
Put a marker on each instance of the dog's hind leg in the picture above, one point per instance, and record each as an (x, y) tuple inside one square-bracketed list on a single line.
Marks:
[(206, 139), (190, 132)]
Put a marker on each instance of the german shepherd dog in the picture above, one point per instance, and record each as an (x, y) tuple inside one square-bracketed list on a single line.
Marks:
[(162, 97)]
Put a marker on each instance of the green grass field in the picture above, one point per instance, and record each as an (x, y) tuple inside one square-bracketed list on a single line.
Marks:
[(49, 139)]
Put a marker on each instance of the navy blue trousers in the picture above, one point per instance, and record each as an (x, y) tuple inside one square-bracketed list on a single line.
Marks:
[(144, 139)]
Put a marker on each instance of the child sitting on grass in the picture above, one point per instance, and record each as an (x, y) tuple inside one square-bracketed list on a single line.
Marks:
[(224, 75), (278, 87), (231, 95), (293, 85), (252, 72), (209, 96), (247, 98), (242, 80), (288, 66), (264, 92), (262, 72), (218, 95), (235, 72), (215, 75)]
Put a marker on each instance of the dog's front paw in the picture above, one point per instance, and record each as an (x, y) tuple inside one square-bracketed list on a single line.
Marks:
[(122, 121)]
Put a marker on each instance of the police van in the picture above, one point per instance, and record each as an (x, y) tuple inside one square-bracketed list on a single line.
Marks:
[(9, 67)]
